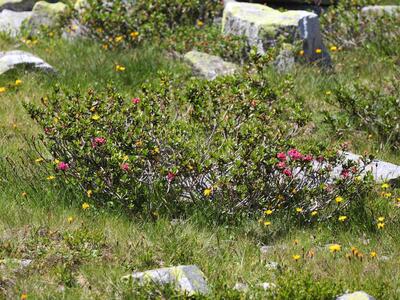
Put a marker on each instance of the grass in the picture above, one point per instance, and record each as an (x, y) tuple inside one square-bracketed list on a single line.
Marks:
[(86, 257)]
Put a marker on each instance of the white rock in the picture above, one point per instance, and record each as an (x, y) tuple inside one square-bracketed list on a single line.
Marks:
[(267, 286), (189, 279), (380, 10), (12, 59), (272, 265), (360, 295), (263, 25), (46, 14), (11, 21), (209, 66), (241, 287)]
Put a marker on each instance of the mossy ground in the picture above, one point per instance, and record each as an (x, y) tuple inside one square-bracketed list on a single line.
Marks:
[(85, 257)]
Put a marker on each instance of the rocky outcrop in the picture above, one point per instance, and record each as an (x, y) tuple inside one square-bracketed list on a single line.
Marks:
[(360, 295), (380, 10), (11, 21), (13, 59), (209, 66), (263, 26), (46, 14)]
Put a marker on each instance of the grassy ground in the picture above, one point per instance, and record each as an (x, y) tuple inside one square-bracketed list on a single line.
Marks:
[(83, 253)]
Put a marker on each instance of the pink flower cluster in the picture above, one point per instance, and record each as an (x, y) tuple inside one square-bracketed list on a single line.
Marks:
[(62, 166), (125, 167), (135, 100), (171, 176), (292, 154), (98, 141)]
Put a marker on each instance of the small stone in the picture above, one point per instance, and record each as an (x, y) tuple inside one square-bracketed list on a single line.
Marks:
[(189, 279), (12, 59), (209, 66), (241, 287), (360, 295)]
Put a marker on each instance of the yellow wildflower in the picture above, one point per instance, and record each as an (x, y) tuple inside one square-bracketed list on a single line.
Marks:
[(358, 178), (89, 193), (70, 220), (381, 225), (207, 192), (381, 219), (328, 93), (119, 39), (339, 199), (95, 117), (38, 160), (134, 34), (335, 248), (99, 30), (342, 218), (301, 53), (24, 194), (24, 296), (333, 48), (200, 23), (18, 82), (156, 150), (296, 257), (2, 89), (268, 212), (387, 195), (373, 254), (314, 213), (119, 68), (318, 51), (267, 223), (85, 206), (299, 210), (105, 46), (51, 177), (385, 186)]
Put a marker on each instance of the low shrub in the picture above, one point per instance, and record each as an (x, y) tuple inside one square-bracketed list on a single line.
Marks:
[(224, 144)]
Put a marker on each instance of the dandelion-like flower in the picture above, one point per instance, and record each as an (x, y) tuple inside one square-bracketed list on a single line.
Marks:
[(296, 257), (339, 199), (85, 206), (268, 212), (381, 225), (335, 248), (207, 192), (342, 218)]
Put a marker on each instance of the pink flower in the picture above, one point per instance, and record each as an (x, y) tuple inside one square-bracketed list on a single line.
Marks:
[(294, 154), (171, 176), (47, 130), (281, 165), (98, 141), (287, 172), (125, 167), (135, 100), (281, 156), (62, 166), (321, 158), (345, 173), (308, 157)]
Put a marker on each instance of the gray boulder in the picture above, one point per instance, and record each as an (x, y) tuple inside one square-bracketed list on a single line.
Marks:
[(11, 21), (188, 279), (46, 14), (17, 5), (13, 59), (360, 295), (209, 66), (263, 26), (380, 10)]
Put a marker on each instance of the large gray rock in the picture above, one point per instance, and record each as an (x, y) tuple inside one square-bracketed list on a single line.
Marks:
[(17, 5), (360, 295), (380, 10), (381, 171), (209, 66), (188, 279), (13, 59), (46, 14), (11, 21), (263, 26)]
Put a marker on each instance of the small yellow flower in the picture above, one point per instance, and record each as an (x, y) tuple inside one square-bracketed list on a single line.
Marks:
[(70, 220), (335, 248), (89, 193), (387, 195), (398, 199), (200, 23), (99, 30), (18, 82), (55, 120), (318, 51), (296, 257), (125, 158), (38, 160), (267, 223), (119, 68), (342, 218), (24, 194), (95, 117), (24, 296), (51, 177), (2, 89), (105, 46), (333, 48), (381, 225), (354, 250), (281, 197), (156, 150), (373, 254), (119, 39), (14, 125), (301, 53), (56, 161), (268, 212), (339, 199), (134, 34), (85, 206), (381, 219), (207, 192), (299, 210), (314, 213), (385, 186), (358, 178), (296, 242), (328, 93)]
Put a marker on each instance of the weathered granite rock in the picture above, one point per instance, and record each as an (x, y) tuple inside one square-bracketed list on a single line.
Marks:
[(209, 66), (46, 14), (381, 171), (263, 25), (360, 295), (188, 279), (285, 61), (17, 5), (380, 10), (12, 59), (11, 21)]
